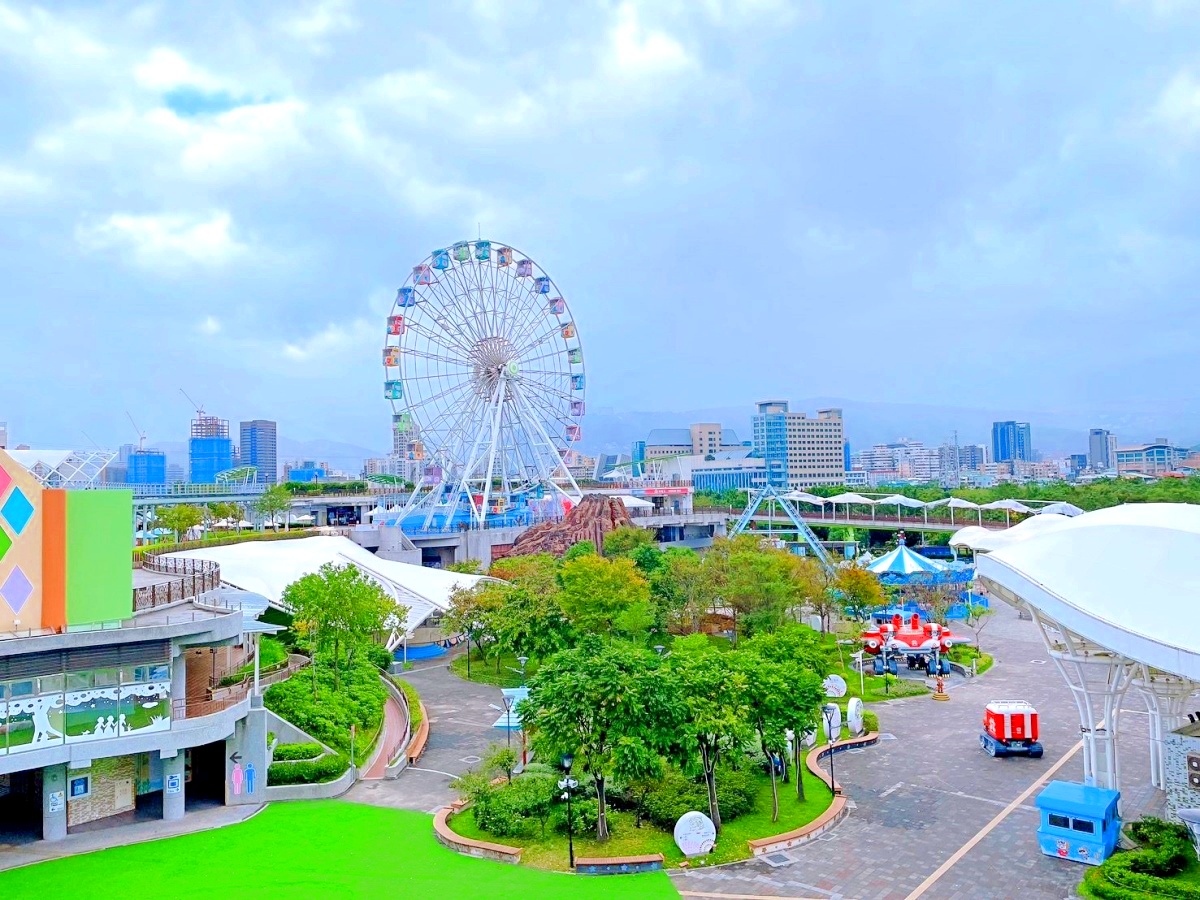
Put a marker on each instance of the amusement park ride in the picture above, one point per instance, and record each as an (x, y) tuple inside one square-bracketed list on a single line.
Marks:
[(921, 645), (483, 366)]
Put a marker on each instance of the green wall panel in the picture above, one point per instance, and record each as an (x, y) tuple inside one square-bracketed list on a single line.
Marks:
[(99, 564)]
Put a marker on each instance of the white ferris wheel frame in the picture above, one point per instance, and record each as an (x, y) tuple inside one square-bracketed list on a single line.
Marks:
[(486, 363)]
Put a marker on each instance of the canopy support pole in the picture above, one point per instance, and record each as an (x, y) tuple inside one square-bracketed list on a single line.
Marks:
[(1166, 697)]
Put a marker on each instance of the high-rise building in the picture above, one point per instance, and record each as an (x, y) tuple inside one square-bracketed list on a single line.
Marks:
[(972, 457), (1012, 441), (175, 473), (3, 435), (210, 451), (258, 449), (1102, 449), (798, 451), (147, 467)]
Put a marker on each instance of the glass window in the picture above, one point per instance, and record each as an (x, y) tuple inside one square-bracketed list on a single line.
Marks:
[(1058, 821), (105, 677), (79, 681), (21, 689), (50, 684), (1085, 825)]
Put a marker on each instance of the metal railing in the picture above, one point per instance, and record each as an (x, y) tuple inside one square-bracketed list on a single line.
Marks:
[(192, 578), (196, 707)]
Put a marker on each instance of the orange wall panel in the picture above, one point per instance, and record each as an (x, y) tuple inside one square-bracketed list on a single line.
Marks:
[(54, 559)]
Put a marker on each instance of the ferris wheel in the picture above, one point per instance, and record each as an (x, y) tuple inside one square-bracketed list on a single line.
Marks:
[(484, 369)]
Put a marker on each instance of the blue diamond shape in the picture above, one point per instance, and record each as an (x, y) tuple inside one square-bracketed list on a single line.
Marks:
[(18, 511)]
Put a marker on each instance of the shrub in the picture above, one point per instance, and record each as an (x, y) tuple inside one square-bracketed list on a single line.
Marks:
[(288, 752), (359, 701), (1165, 852), (380, 656), (518, 808), (870, 721), (584, 816), (675, 794), (327, 768)]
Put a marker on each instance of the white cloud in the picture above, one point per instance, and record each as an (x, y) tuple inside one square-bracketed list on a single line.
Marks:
[(37, 38), (209, 325), (170, 241), (165, 69), (20, 183), (1178, 106), (636, 51), (320, 21), (335, 341)]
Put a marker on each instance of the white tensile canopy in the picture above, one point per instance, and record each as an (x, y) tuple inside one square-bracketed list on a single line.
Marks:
[(1061, 508), (802, 497), (851, 498), (901, 500), (632, 502)]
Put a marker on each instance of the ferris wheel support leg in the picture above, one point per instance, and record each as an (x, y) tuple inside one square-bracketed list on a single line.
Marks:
[(1098, 679), (522, 402), (477, 450), (491, 460)]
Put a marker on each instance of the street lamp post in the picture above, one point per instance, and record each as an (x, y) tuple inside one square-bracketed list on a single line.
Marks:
[(830, 711), (522, 660), (567, 784)]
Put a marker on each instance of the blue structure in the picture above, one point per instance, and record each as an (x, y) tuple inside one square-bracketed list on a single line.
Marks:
[(639, 459), (147, 467), (308, 472), (1011, 441), (1079, 822), (770, 440), (207, 456), (722, 478)]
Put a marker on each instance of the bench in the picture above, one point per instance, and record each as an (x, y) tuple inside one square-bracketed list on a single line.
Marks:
[(618, 865)]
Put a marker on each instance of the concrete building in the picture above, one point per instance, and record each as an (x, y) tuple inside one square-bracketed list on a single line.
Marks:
[(306, 470), (910, 460), (799, 452), (701, 439), (972, 457), (1102, 450), (146, 467), (259, 448), (210, 450), (1155, 458), (3, 435), (108, 713), (1012, 441)]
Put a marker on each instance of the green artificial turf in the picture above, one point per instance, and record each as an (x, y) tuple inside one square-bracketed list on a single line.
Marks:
[(327, 849)]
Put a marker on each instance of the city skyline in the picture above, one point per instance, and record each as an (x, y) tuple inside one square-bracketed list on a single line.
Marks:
[(1017, 219)]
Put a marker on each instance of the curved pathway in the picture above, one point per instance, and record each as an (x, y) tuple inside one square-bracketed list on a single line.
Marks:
[(394, 725)]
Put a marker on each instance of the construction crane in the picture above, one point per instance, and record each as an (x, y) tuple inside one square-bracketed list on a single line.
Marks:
[(141, 434), (199, 409)]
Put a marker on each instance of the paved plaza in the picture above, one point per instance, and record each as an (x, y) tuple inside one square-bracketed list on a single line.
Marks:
[(927, 789)]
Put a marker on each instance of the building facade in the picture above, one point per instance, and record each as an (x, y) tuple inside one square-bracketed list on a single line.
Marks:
[(1012, 441), (210, 450), (146, 467), (1102, 450), (259, 448), (1156, 458), (799, 451), (701, 439)]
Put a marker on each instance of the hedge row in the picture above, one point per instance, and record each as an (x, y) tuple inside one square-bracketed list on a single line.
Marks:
[(314, 771), (1166, 851), (414, 703), (292, 752)]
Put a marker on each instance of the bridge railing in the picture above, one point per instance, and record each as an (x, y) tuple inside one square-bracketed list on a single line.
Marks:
[(191, 578)]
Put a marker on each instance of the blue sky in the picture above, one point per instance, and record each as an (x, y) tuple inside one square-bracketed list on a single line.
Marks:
[(990, 204)]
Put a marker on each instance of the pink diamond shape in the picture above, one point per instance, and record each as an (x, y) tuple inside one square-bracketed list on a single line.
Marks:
[(16, 589), (5, 481)]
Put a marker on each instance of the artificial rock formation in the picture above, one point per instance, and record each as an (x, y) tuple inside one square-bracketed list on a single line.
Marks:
[(590, 520)]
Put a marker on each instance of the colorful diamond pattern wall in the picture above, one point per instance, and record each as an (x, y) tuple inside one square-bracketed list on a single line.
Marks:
[(5, 542), (16, 589), (17, 511), (5, 481)]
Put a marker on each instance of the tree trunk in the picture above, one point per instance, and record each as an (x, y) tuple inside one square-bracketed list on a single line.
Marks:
[(708, 758), (602, 811), (799, 770), (774, 791)]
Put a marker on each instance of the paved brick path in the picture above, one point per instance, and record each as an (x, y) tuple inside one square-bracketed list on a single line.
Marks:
[(922, 796)]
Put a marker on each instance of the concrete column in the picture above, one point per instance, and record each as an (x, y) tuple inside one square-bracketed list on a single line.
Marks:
[(246, 760), (173, 786), (54, 802)]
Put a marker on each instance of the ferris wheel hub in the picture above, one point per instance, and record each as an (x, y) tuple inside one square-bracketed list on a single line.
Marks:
[(493, 358)]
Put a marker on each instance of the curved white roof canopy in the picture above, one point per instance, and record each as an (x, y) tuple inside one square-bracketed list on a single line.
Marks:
[(268, 567), (1125, 578), (983, 540)]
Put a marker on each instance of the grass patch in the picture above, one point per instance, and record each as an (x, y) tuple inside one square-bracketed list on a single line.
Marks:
[(492, 670), (325, 850), (550, 852), (414, 702)]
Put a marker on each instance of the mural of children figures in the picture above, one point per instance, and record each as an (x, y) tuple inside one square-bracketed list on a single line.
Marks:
[(236, 778)]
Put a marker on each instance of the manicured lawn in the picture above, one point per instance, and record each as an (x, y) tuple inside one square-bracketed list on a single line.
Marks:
[(484, 671), (628, 840), (326, 849)]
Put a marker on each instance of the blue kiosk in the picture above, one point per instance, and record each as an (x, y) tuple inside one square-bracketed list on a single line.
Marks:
[(1079, 822)]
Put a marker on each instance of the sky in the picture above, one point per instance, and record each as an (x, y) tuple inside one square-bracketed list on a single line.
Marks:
[(986, 205)]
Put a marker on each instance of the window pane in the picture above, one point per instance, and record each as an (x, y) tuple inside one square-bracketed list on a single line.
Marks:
[(1083, 825), (78, 681), (1059, 821)]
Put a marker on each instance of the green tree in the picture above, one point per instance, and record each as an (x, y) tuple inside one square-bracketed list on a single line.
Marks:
[(529, 624), (474, 612), (615, 708), (716, 712), (273, 502), (605, 596), (180, 518), (341, 609), (578, 549), (226, 509), (625, 540), (536, 573), (692, 587), (860, 590), (466, 567), (500, 758)]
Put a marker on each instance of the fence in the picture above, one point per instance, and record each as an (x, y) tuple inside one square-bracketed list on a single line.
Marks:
[(192, 578), (195, 707)]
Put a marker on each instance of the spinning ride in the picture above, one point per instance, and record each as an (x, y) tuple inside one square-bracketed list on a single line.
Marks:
[(484, 369)]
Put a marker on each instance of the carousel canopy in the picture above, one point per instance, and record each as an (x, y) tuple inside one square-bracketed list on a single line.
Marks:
[(903, 561)]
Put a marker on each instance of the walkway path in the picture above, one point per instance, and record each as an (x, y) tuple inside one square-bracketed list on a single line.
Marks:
[(395, 723), (460, 732), (927, 800)]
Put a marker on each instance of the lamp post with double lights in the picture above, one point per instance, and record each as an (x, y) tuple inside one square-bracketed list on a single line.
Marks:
[(567, 784), (830, 711)]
